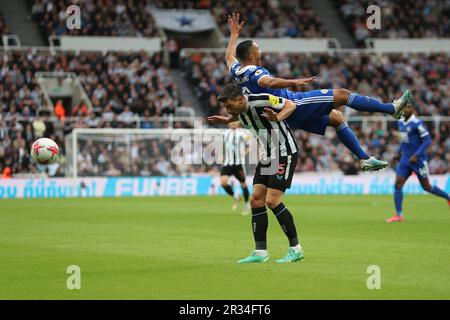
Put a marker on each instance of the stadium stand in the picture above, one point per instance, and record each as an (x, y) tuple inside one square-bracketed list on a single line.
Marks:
[(132, 18), (99, 18), (271, 18), (3, 28), (114, 81), (382, 76), (121, 86), (431, 19)]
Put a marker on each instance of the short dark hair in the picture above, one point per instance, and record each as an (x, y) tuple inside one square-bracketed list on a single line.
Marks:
[(243, 49), (230, 91)]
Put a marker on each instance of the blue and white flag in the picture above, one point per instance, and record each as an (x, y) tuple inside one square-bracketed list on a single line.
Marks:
[(184, 20)]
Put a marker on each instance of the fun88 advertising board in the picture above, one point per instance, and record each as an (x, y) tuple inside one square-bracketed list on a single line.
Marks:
[(302, 184)]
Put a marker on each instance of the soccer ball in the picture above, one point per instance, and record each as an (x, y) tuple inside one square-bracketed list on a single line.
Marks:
[(44, 151)]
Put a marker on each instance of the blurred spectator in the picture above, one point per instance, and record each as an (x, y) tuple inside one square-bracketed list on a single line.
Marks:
[(39, 128), (399, 19), (3, 29), (98, 18), (7, 174), (60, 112)]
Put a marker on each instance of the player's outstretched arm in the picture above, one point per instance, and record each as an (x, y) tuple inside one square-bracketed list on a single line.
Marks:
[(235, 28), (280, 83), (426, 143), (222, 119), (288, 108)]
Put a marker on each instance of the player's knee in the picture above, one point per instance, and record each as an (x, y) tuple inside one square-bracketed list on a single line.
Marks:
[(272, 202), (336, 118), (398, 185), (341, 96), (224, 181), (426, 186), (257, 202)]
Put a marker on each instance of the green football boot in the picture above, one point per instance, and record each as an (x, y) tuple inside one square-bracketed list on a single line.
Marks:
[(372, 164), (401, 103), (292, 256), (254, 258)]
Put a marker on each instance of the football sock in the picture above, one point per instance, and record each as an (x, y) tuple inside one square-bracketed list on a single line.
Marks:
[(398, 199), (228, 189), (286, 222), (259, 227), (364, 103), (439, 192), (262, 253), (297, 248), (246, 193), (349, 139)]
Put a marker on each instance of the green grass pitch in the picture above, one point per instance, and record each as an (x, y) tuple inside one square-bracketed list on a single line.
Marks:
[(187, 248)]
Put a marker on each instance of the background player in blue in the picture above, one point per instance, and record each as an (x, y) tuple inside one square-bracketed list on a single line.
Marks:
[(413, 158), (315, 109)]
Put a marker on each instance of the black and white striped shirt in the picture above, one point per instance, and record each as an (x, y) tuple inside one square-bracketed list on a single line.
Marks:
[(235, 142), (272, 136)]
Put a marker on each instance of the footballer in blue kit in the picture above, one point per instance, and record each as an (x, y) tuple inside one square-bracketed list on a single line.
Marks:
[(315, 109), (412, 158)]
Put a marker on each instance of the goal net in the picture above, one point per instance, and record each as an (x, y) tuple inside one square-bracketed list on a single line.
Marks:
[(145, 152)]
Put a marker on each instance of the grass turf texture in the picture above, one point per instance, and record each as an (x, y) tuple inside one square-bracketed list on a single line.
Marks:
[(187, 248)]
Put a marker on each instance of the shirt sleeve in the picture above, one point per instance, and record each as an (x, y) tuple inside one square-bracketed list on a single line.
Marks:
[(266, 101), (234, 68), (422, 130), (259, 73)]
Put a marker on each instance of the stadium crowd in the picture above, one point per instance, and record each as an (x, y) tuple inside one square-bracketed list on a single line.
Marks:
[(400, 19), (383, 77), (3, 29), (98, 18), (265, 18), (380, 76), (120, 85)]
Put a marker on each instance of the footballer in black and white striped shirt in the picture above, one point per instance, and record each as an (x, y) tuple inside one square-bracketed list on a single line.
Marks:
[(264, 115), (235, 145)]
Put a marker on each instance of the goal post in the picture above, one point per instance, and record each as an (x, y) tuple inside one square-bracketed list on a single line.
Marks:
[(144, 152)]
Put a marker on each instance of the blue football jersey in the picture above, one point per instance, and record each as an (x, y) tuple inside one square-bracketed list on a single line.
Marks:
[(247, 78), (413, 131)]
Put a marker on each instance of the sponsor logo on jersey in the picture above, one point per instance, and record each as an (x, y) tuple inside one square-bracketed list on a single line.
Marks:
[(240, 80)]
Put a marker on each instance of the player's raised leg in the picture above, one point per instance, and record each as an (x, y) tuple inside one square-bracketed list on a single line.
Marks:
[(286, 221), (368, 104), (259, 226), (348, 138), (315, 113)]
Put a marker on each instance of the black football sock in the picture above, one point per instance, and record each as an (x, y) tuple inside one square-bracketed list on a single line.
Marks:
[(246, 193), (228, 189), (286, 222), (259, 227)]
